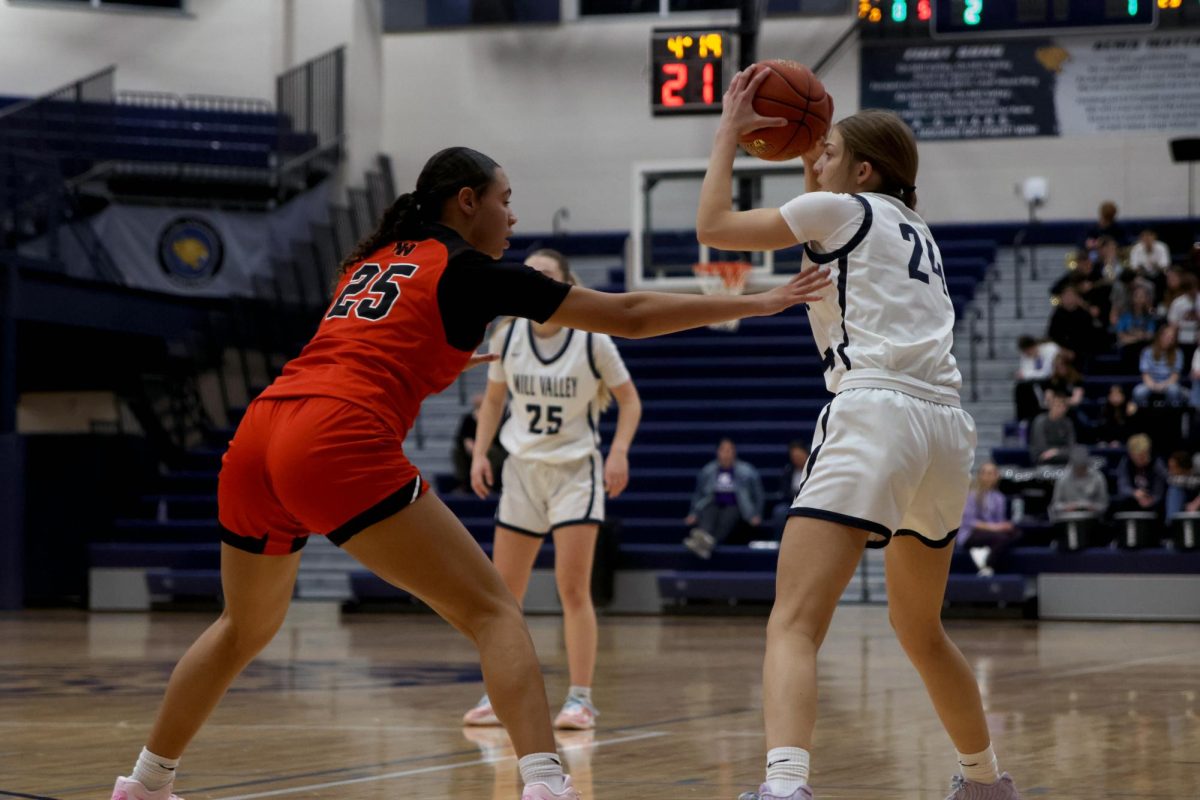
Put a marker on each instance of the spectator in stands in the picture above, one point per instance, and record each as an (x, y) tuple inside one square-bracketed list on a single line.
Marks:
[(1195, 375), (1149, 256), (1081, 488), (464, 447), (1066, 382), (1107, 267), (1141, 478), (793, 472), (1033, 370), (1160, 366), (729, 494), (1115, 417), (1074, 326), (1136, 326), (1184, 314), (1173, 286), (1053, 433), (1105, 225), (790, 481), (986, 531), (1183, 485)]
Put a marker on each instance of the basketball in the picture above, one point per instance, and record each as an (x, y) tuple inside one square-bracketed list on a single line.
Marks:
[(793, 92)]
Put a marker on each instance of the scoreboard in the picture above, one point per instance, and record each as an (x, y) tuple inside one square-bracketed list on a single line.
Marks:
[(991, 18), (688, 68)]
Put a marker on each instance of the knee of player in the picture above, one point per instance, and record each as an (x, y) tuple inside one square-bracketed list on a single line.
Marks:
[(247, 636), (917, 635), (575, 597)]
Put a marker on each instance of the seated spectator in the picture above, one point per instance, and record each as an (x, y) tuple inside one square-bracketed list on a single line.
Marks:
[(1160, 366), (1107, 266), (1135, 328), (1052, 433), (986, 531), (792, 477), (464, 448), (729, 494), (1066, 382), (1141, 478), (1195, 376), (1074, 326), (1116, 414), (1033, 370), (1183, 485), (1149, 256), (1173, 286), (1184, 314), (1106, 225), (790, 481), (1081, 488)]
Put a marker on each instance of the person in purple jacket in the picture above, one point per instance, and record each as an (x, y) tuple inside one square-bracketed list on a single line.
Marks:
[(986, 530)]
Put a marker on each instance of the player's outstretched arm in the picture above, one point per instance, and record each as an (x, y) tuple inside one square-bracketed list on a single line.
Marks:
[(717, 225), (639, 315)]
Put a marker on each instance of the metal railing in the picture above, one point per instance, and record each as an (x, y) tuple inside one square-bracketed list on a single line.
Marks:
[(312, 99), (197, 102)]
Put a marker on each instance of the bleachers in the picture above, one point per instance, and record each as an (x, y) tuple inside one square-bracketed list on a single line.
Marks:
[(763, 386)]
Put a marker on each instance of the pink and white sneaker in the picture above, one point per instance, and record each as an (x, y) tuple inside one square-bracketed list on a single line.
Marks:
[(764, 793), (481, 714), (542, 791), (576, 715), (129, 789)]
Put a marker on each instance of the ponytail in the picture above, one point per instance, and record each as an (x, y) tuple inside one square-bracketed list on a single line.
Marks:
[(443, 175)]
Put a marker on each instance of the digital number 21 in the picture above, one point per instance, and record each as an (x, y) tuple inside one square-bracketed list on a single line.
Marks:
[(679, 78)]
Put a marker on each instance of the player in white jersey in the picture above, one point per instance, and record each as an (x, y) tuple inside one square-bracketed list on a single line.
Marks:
[(892, 453), (557, 381)]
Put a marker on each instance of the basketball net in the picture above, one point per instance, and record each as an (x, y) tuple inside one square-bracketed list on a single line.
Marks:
[(722, 278)]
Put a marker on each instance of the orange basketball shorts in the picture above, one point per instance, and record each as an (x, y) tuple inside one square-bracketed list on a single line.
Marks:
[(310, 465)]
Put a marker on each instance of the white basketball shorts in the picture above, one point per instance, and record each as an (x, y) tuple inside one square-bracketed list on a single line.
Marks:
[(538, 497), (890, 464)]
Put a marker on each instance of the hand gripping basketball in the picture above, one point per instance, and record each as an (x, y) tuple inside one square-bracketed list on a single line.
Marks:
[(738, 111)]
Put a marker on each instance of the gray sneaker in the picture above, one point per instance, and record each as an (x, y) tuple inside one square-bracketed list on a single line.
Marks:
[(700, 542), (764, 793), (963, 789)]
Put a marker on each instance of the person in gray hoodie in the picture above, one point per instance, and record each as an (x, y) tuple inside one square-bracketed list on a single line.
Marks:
[(1081, 488)]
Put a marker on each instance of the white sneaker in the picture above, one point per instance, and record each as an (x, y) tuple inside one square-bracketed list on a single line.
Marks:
[(129, 789), (980, 556), (481, 714)]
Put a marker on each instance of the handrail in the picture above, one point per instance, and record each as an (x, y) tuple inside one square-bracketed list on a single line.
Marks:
[(837, 45), (993, 299), (1018, 262), (973, 338), (75, 84)]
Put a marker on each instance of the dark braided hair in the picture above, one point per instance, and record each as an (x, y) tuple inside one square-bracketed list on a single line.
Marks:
[(444, 174)]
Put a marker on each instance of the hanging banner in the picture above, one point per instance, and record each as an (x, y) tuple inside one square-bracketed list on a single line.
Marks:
[(1067, 86)]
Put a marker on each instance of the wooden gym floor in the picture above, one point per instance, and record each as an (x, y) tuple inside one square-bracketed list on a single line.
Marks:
[(368, 707)]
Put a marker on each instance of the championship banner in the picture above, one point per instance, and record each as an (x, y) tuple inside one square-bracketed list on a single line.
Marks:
[(1067, 86)]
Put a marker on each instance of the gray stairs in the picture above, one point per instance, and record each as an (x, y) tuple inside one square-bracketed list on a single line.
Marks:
[(988, 372)]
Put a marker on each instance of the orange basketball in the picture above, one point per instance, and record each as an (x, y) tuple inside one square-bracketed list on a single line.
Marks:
[(793, 92)]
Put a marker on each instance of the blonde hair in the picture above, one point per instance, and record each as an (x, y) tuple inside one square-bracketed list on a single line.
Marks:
[(1139, 444)]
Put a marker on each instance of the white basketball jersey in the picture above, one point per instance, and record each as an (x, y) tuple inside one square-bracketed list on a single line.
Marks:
[(887, 320), (552, 385)]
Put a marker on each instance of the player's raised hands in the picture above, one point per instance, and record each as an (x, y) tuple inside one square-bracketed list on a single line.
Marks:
[(737, 113), (806, 286)]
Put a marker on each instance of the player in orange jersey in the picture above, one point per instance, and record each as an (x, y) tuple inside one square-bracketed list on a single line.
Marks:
[(320, 451)]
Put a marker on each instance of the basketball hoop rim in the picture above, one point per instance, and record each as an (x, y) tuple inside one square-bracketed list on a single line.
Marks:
[(732, 273)]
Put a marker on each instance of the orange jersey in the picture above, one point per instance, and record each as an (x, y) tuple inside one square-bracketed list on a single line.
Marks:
[(405, 320)]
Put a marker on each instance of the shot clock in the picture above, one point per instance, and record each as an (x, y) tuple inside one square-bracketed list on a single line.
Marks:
[(687, 70)]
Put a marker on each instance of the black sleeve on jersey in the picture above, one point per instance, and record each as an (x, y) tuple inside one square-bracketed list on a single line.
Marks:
[(474, 290)]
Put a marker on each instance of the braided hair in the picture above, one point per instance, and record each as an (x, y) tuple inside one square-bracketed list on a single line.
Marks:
[(444, 174)]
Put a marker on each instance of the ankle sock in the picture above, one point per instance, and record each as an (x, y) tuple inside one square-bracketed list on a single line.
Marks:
[(583, 693), (787, 769), (543, 768), (152, 771), (979, 767)]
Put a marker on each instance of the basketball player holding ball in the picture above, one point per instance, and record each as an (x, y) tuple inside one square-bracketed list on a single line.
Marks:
[(892, 453), (555, 479), (320, 451)]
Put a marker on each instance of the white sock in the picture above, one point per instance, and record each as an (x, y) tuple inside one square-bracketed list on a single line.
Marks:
[(543, 768), (583, 693), (154, 772), (979, 767), (787, 769)]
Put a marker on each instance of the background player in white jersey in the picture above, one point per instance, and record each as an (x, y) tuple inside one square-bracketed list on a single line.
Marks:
[(554, 480), (892, 453)]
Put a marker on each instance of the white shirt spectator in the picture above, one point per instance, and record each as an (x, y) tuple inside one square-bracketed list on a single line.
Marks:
[(1184, 314), (1155, 259), (1037, 367)]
